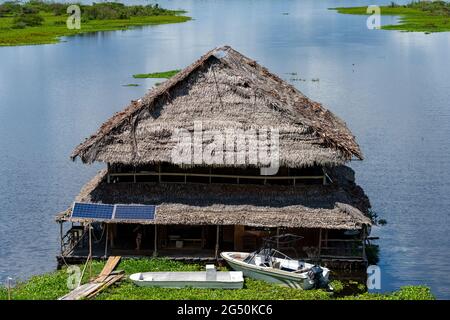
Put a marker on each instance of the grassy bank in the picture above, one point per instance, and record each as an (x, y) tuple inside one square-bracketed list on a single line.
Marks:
[(417, 16), (53, 285), (37, 22)]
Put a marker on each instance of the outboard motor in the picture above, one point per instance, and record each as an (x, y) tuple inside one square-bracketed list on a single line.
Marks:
[(316, 275)]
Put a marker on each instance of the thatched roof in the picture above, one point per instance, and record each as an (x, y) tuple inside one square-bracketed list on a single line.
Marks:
[(336, 206), (224, 90)]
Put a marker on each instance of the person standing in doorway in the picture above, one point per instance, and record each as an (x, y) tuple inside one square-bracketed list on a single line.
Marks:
[(138, 232)]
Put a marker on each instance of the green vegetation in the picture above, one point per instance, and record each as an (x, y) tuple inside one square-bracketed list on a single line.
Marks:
[(156, 75), (40, 22), (422, 16), (53, 285), (130, 85)]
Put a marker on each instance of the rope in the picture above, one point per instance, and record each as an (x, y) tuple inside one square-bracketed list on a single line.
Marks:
[(101, 237)]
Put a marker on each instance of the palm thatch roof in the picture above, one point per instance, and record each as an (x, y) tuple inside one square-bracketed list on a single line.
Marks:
[(224, 90), (340, 205)]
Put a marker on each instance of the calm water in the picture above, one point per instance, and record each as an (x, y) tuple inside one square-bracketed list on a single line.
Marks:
[(392, 88)]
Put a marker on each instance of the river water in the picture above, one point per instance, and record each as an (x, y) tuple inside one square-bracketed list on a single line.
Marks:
[(392, 89)]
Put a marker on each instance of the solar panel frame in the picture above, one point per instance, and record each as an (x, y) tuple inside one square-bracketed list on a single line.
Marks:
[(83, 210), (134, 212)]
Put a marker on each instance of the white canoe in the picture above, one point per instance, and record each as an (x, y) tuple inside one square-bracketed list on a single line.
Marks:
[(285, 274), (200, 279)]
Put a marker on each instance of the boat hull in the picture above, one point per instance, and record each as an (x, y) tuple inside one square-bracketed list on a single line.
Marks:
[(222, 280), (285, 278)]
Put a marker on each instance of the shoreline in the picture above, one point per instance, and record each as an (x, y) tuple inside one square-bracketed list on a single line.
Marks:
[(413, 17), (27, 24)]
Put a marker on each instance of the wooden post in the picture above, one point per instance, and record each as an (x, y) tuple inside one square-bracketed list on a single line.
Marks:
[(363, 235), (61, 236), (238, 234), (106, 241), (108, 179), (155, 251), (90, 251), (278, 240), (216, 254), (320, 243)]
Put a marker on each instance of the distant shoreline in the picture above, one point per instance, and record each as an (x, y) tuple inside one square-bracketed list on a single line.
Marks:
[(31, 24), (425, 17)]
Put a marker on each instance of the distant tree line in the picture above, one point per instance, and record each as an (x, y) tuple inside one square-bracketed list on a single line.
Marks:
[(28, 13)]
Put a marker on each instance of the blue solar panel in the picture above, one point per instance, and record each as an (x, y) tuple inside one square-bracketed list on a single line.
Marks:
[(92, 210), (134, 212)]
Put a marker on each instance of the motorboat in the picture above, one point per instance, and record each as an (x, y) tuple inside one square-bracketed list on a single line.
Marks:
[(271, 265)]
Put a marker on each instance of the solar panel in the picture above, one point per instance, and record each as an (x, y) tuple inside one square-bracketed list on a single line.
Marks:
[(134, 212), (92, 210)]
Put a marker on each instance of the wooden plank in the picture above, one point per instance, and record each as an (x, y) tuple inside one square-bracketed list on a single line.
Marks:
[(89, 290), (108, 268), (80, 292), (110, 280)]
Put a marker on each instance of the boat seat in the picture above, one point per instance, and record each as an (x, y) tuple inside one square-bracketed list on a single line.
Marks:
[(276, 265)]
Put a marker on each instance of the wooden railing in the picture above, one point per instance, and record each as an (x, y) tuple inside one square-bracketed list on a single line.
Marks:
[(134, 175), (343, 249)]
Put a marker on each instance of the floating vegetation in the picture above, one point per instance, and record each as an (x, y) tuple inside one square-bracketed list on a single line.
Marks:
[(156, 75), (50, 286), (130, 85), (297, 79)]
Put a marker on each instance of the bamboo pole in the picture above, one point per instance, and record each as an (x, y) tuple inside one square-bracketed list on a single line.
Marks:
[(320, 243), (61, 236), (155, 251), (278, 240), (363, 236), (106, 241), (90, 252), (216, 253), (108, 176)]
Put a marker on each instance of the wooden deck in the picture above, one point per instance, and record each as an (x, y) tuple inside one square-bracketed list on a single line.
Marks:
[(185, 255)]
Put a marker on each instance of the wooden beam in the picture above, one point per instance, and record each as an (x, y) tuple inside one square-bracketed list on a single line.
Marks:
[(61, 236), (182, 174), (238, 234), (106, 240), (110, 265), (320, 242), (216, 254), (155, 251), (90, 251), (278, 241), (363, 235)]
